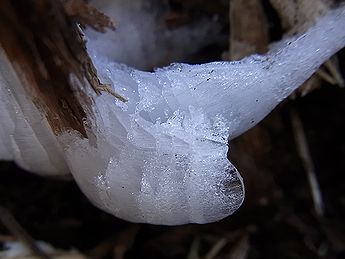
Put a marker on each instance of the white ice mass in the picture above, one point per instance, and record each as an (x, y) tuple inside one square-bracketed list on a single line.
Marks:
[(161, 158)]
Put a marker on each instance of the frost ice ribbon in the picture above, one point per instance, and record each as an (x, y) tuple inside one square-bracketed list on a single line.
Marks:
[(161, 158)]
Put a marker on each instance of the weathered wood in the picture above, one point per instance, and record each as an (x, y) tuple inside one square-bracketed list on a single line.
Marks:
[(46, 49)]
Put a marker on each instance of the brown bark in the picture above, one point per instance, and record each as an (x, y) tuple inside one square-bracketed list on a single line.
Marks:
[(46, 48), (248, 29)]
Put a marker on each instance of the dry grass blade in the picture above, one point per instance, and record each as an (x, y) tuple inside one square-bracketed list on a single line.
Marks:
[(325, 76), (240, 251), (194, 249), (333, 68), (106, 88), (216, 248), (13, 226), (304, 153)]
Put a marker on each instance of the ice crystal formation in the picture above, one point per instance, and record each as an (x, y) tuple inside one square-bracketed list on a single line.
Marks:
[(161, 157)]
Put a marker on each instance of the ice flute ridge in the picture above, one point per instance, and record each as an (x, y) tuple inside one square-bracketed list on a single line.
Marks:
[(161, 158)]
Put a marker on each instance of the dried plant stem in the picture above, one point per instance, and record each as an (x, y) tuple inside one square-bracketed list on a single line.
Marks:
[(334, 71), (304, 153), (218, 246), (17, 230), (106, 88), (240, 251), (325, 76)]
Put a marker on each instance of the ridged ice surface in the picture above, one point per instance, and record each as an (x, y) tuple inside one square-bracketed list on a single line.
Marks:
[(161, 158), (25, 136)]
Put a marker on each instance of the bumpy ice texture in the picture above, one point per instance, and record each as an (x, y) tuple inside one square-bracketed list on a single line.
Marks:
[(161, 157)]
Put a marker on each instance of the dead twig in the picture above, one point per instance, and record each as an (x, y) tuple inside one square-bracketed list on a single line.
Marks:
[(240, 251), (325, 76), (194, 249), (106, 88), (333, 75), (334, 71), (304, 153), (216, 248), (18, 231)]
